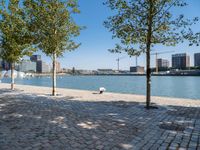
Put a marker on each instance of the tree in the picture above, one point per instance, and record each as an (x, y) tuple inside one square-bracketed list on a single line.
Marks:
[(53, 27), (15, 40), (141, 24)]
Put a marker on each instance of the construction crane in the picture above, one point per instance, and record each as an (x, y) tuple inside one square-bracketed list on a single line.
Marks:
[(156, 54), (118, 60), (136, 60)]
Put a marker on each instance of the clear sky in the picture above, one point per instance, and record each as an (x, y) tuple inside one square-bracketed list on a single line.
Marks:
[(96, 40)]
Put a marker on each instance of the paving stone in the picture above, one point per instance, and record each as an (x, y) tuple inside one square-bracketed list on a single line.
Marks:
[(43, 122)]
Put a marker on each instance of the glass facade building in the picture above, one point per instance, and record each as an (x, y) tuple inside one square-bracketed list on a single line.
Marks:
[(180, 61)]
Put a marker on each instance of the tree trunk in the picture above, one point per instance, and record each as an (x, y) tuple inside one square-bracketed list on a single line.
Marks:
[(148, 80), (54, 75), (148, 46), (12, 76)]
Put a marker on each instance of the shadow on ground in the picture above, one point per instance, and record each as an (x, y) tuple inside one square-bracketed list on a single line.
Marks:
[(29, 121)]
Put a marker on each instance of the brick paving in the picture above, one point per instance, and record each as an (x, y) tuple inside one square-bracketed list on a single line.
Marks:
[(30, 121)]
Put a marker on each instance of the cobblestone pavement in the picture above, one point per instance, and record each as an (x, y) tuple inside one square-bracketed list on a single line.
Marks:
[(36, 122)]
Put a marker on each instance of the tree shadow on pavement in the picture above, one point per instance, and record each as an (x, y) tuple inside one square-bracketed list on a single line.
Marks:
[(42, 122)]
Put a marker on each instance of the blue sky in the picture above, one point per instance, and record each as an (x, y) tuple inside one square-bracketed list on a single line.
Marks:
[(96, 40)]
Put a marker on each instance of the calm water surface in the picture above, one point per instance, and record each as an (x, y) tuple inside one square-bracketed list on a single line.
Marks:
[(181, 87)]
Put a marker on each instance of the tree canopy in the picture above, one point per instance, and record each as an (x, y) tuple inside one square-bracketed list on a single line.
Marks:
[(52, 24), (131, 20), (15, 39)]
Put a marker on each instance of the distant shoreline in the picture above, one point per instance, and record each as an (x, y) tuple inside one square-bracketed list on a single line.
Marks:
[(114, 74), (139, 75), (48, 74)]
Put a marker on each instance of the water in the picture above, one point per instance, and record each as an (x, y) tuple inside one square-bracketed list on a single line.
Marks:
[(170, 86)]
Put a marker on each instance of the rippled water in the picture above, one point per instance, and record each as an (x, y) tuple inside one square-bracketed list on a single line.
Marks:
[(182, 87)]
